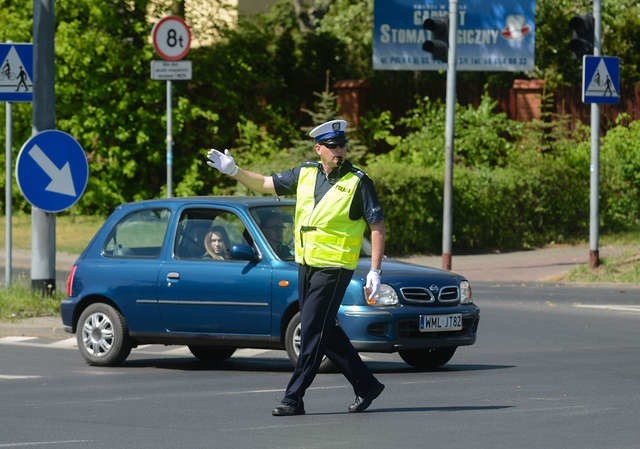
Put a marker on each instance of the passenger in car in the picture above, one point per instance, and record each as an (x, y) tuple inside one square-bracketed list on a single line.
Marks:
[(215, 244)]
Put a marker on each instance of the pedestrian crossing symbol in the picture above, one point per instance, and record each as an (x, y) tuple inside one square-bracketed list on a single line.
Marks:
[(601, 79), (16, 72)]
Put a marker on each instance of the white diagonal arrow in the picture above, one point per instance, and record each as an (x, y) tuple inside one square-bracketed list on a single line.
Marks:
[(61, 180)]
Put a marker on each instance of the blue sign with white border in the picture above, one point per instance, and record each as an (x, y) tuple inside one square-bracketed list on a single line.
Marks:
[(499, 36), (16, 72), (600, 79), (52, 170)]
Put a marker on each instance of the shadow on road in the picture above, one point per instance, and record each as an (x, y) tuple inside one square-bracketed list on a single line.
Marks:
[(461, 408), (265, 364)]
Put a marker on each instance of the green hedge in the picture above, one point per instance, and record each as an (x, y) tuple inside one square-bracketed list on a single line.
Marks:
[(500, 208)]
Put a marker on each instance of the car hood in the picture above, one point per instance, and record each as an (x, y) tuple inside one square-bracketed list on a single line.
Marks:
[(394, 271)]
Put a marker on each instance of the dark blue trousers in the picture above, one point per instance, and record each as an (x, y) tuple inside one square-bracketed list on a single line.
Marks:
[(321, 291)]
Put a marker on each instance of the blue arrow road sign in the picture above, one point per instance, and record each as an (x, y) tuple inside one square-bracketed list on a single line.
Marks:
[(52, 171), (16, 72), (600, 79)]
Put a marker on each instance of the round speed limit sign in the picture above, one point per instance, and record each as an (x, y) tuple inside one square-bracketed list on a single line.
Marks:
[(171, 38)]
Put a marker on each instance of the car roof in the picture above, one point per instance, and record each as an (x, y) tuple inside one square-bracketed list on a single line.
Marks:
[(247, 201)]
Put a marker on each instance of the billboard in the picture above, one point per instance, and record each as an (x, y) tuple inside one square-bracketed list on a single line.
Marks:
[(497, 35)]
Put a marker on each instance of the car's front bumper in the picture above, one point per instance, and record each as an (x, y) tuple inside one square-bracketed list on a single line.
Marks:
[(396, 328)]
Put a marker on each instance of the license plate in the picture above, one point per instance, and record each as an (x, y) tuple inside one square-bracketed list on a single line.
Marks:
[(440, 323)]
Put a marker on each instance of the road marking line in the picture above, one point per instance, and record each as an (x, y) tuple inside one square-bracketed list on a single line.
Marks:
[(44, 443), (15, 339), (183, 350), (248, 352), (17, 377), (611, 307), (66, 343)]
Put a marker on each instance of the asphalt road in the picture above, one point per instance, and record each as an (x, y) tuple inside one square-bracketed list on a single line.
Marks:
[(553, 367)]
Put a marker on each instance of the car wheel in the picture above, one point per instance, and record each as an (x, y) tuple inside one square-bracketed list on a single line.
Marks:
[(102, 336), (212, 354), (427, 358), (292, 345)]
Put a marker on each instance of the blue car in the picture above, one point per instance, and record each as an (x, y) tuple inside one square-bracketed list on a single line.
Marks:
[(218, 274)]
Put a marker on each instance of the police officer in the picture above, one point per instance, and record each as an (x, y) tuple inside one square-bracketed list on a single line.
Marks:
[(335, 202)]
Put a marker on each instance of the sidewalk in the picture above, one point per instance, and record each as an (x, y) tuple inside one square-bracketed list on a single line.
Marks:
[(540, 265), (535, 266)]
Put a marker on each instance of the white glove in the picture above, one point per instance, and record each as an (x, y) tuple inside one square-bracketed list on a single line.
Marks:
[(224, 163), (373, 282)]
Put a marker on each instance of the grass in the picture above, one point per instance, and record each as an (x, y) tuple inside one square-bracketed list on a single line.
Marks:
[(622, 268), (72, 232), (19, 301)]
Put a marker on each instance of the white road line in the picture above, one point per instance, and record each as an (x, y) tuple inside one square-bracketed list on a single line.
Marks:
[(182, 350), (67, 343), (15, 339), (250, 352), (610, 307), (17, 377), (44, 443)]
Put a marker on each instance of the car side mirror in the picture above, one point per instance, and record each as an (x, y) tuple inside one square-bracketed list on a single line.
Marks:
[(243, 252)]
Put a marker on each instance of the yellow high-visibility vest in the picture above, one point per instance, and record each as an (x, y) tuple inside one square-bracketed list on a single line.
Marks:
[(325, 236)]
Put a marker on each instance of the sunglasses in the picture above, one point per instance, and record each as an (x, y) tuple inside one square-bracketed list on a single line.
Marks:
[(333, 146)]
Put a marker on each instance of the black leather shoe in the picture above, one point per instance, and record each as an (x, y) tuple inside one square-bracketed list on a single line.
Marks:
[(288, 410), (360, 404)]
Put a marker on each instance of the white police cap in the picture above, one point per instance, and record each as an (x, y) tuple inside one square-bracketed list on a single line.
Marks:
[(331, 130)]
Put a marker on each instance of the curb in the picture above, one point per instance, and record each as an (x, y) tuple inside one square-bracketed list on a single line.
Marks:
[(39, 327)]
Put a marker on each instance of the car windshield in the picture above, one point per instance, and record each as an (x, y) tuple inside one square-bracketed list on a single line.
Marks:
[(276, 224)]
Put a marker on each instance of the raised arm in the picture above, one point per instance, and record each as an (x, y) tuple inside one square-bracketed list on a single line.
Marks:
[(224, 163)]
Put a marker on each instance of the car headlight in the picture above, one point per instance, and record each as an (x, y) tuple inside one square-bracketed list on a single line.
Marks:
[(386, 296), (466, 296)]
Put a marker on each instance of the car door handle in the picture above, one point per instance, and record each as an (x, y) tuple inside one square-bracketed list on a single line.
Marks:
[(173, 275)]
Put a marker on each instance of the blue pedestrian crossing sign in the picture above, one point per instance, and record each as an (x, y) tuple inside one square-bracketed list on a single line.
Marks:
[(600, 79), (52, 171), (16, 72)]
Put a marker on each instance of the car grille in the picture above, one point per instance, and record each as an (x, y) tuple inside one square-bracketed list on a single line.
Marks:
[(417, 294), (423, 295), (448, 294)]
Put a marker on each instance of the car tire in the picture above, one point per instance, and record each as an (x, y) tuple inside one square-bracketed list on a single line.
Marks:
[(428, 358), (292, 345), (102, 336), (211, 354)]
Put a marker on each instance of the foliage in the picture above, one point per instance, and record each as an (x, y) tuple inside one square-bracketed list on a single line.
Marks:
[(20, 301), (537, 193), (620, 173), (624, 268), (484, 137), (264, 83)]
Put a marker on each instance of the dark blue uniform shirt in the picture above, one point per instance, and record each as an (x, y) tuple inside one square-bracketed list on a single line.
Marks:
[(365, 202)]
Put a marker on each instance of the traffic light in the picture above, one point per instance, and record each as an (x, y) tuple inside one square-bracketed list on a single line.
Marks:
[(582, 27), (438, 46)]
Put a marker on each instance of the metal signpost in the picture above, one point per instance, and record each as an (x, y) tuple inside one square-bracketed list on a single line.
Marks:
[(447, 207), (16, 84), (172, 41), (600, 84)]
